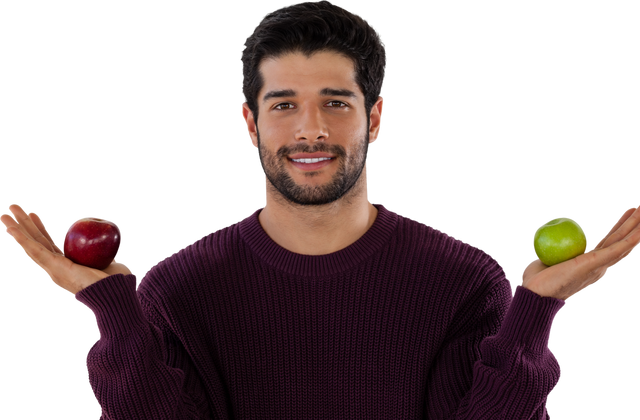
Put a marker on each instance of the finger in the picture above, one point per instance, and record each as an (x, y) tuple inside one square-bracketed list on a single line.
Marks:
[(622, 228), (35, 253), (35, 250), (36, 220), (606, 257), (627, 226), (21, 218), (8, 220), (620, 222), (29, 227), (634, 238)]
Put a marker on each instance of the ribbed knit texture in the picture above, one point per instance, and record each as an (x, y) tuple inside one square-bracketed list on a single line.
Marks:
[(405, 323)]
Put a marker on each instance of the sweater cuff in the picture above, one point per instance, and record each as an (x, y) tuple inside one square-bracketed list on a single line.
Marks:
[(115, 304), (529, 318)]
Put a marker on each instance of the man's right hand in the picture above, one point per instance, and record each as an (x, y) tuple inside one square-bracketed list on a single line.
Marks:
[(30, 233)]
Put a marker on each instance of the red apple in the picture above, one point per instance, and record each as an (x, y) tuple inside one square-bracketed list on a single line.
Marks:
[(92, 242)]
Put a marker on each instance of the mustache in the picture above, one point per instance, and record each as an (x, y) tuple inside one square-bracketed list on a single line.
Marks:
[(334, 149)]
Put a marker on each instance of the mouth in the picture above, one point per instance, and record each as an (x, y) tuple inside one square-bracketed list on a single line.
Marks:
[(311, 164)]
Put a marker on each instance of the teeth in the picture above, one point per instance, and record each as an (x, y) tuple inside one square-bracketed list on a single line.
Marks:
[(310, 160)]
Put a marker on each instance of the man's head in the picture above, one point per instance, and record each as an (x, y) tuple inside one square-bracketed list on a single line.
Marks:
[(312, 27), (313, 72)]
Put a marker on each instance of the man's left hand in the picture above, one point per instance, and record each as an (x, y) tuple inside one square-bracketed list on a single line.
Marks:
[(568, 278)]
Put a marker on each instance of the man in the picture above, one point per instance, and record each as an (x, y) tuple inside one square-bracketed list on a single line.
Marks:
[(322, 305), (314, 208)]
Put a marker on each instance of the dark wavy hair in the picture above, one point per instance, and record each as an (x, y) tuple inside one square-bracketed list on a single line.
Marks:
[(308, 28)]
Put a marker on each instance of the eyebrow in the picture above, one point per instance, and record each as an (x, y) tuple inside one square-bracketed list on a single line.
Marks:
[(324, 92)]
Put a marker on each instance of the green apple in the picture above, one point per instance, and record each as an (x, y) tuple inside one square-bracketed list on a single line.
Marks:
[(558, 241)]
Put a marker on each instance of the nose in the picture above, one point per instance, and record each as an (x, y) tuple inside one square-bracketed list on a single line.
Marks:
[(311, 125)]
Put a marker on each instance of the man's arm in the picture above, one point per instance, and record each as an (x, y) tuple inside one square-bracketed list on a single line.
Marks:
[(496, 363), (138, 369)]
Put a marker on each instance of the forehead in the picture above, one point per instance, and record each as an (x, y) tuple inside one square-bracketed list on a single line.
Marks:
[(297, 72)]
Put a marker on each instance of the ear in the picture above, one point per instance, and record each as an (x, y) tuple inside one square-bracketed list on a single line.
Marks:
[(374, 120), (251, 124)]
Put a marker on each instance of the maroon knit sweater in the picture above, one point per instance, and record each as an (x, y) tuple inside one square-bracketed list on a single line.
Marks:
[(405, 323)]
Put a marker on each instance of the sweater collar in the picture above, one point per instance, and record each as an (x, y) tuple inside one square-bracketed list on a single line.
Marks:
[(280, 258)]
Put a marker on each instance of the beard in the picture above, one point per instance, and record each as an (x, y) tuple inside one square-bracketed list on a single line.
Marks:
[(347, 179)]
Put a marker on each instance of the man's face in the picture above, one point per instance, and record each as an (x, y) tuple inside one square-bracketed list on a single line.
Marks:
[(311, 108)]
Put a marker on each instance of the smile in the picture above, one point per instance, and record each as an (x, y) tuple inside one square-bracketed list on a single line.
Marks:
[(311, 164)]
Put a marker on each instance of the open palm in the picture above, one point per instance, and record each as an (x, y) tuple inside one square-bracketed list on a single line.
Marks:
[(567, 278)]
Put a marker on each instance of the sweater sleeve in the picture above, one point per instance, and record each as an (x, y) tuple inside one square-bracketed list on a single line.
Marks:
[(137, 369), (497, 364)]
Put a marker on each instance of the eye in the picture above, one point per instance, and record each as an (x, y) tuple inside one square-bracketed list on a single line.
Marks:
[(340, 102), (284, 103), (330, 102)]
